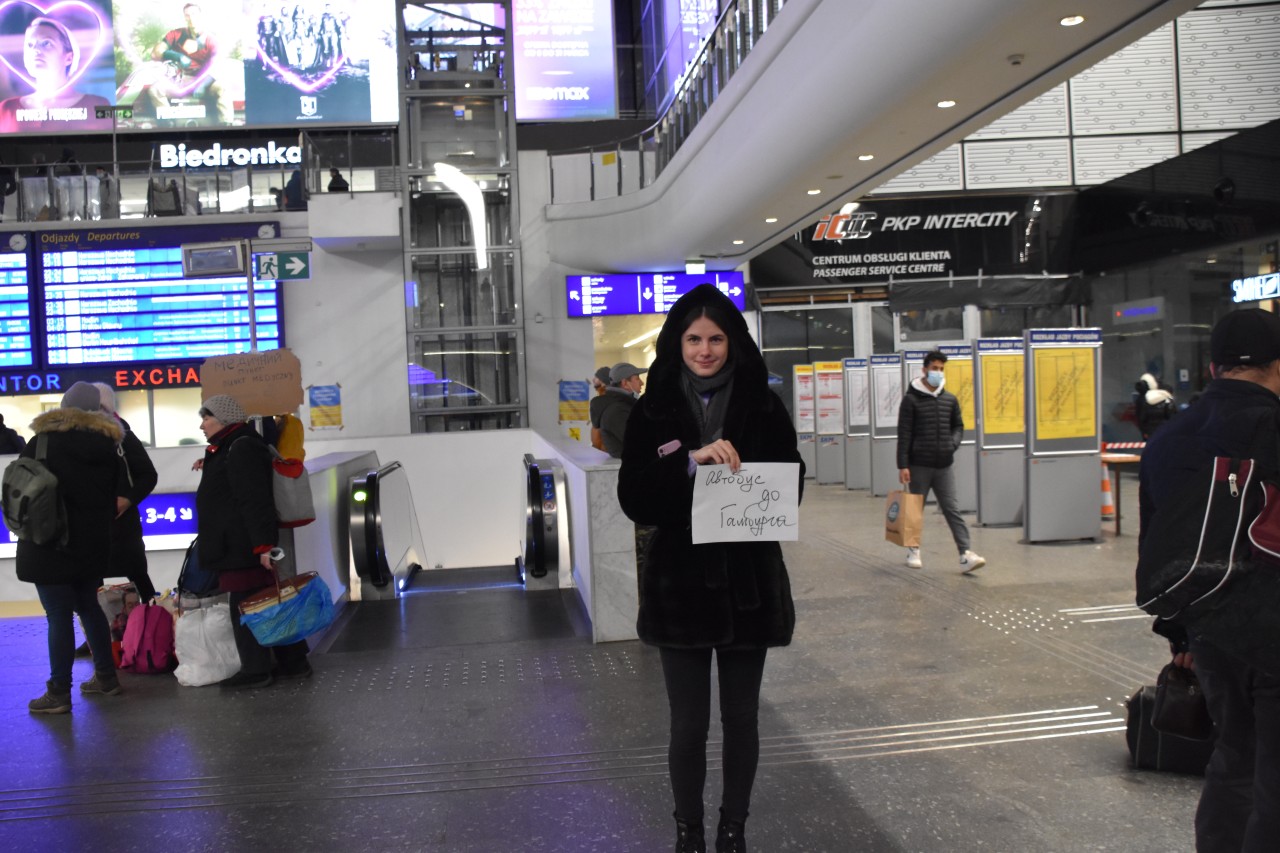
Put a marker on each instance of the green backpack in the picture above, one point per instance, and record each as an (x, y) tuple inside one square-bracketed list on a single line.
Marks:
[(33, 508)]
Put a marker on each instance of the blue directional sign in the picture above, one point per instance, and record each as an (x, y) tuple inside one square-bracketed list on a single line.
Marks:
[(644, 293)]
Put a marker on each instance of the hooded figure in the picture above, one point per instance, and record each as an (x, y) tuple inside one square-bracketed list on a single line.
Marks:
[(708, 401), (1153, 404)]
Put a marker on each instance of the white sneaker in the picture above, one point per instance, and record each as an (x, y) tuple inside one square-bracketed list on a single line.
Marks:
[(971, 562), (913, 559)]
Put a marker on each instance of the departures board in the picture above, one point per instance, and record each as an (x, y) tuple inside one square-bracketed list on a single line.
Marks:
[(130, 305)]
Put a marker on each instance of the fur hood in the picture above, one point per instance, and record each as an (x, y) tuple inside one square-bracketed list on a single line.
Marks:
[(751, 377), (65, 420)]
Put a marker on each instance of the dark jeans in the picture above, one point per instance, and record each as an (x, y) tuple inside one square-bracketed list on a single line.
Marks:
[(1240, 805), (688, 676), (255, 658), (62, 602), (943, 483)]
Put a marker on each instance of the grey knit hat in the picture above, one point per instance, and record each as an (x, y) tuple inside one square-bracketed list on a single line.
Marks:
[(84, 396), (225, 409)]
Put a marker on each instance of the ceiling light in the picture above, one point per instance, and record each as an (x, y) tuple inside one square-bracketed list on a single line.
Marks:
[(644, 337), (815, 192), (866, 157), (946, 105), (1072, 20), (738, 242), (771, 219)]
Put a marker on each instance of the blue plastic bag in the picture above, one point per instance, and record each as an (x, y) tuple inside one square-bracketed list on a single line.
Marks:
[(303, 608)]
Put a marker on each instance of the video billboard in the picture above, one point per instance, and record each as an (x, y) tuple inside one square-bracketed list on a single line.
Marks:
[(198, 64)]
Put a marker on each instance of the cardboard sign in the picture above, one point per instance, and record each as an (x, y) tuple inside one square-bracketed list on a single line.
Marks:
[(263, 383), (759, 503)]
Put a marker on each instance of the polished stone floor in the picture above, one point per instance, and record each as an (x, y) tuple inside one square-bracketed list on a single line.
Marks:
[(917, 710)]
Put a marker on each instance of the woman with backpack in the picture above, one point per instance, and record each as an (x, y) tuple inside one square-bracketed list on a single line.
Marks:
[(236, 518), (77, 444)]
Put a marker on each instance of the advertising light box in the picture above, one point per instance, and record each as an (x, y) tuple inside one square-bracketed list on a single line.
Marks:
[(564, 60), (644, 293), (236, 63)]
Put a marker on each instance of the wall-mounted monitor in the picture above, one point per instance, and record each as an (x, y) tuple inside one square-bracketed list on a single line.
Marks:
[(15, 305), (196, 64), (212, 259), (643, 293)]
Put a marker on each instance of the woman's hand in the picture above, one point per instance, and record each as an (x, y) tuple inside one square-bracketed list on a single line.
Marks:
[(720, 452), (198, 465), (264, 560)]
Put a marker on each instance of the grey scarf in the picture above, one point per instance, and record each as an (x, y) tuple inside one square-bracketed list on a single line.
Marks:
[(708, 396)]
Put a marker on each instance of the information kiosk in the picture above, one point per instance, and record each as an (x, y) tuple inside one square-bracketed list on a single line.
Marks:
[(803, 406), (999, 385), (828, 381), (1064, 432), (857, 434), (886, 396)]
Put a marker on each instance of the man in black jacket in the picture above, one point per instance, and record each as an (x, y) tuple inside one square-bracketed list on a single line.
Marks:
[(929, 431), (1231, 645)]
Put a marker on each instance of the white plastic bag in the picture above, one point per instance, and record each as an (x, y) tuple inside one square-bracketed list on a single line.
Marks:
[(205, 646)]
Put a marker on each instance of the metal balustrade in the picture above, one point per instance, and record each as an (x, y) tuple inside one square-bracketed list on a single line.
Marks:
[(635, 162)]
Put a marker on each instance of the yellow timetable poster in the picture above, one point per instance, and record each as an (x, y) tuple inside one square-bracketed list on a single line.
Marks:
[(1066, 398), (960, 383), (1003, 394)]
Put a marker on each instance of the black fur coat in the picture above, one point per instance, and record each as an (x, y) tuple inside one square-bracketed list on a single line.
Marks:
[(731, 595)]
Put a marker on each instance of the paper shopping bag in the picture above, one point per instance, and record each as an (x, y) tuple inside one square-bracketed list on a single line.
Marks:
[(903, 518)]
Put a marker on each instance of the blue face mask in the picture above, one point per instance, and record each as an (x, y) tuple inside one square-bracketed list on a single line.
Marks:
[(935, 378)]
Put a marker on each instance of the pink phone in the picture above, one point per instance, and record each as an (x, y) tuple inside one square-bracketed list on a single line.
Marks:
[(670, 447)]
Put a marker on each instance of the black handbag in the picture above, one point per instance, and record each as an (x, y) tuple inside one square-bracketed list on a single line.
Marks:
[(1180, 707)]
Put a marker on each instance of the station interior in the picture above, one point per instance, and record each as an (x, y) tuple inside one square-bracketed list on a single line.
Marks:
[(423, 228)]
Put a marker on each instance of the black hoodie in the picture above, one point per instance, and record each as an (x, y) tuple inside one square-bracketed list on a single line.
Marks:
[(695, 596)]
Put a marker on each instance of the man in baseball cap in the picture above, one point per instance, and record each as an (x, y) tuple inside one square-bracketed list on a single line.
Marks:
[(624, 391), (1234, 639)]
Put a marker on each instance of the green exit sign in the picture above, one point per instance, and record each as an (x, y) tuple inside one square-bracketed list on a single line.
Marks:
[(284, 266), (119, 111)]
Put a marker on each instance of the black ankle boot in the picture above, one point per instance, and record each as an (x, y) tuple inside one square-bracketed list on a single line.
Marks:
[(729, 837), (689, 837)]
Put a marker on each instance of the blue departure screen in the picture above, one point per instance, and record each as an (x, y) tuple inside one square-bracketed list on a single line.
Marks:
[(643, 293), (119, 305), (15, 311)]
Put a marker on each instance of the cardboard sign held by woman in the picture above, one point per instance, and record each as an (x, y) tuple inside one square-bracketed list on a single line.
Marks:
[(903, 518)]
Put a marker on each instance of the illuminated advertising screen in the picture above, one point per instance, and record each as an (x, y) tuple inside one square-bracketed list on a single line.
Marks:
[(109, 300), (644, 293), (206, 64), (564, 60), (15, 311), (694, 20)]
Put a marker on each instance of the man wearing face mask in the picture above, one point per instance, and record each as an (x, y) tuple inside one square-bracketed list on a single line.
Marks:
[(929, 431)]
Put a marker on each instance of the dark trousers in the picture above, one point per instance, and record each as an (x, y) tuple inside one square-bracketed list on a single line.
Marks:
[(942, 481), (1239, 807), (62, 602), (688, 676), (256, 658)]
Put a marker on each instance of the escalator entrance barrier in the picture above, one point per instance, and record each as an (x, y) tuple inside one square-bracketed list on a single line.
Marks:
[(546, 538)]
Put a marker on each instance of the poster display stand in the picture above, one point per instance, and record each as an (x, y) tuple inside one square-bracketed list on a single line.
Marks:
[(999, 396), (1063, 422), (857, 432), (828, 383), (887, 389), (802, 405)]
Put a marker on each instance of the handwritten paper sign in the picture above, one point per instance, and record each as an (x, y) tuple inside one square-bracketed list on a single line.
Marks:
[(759, 503), (263, 383)]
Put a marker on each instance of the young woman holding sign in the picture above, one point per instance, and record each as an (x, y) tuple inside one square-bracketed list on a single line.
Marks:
[(708, 403)]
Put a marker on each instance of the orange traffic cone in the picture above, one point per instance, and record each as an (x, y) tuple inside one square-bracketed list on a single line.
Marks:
[(1108, 504)]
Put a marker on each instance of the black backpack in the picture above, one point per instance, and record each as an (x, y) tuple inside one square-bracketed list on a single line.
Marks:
[(33, 508)]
